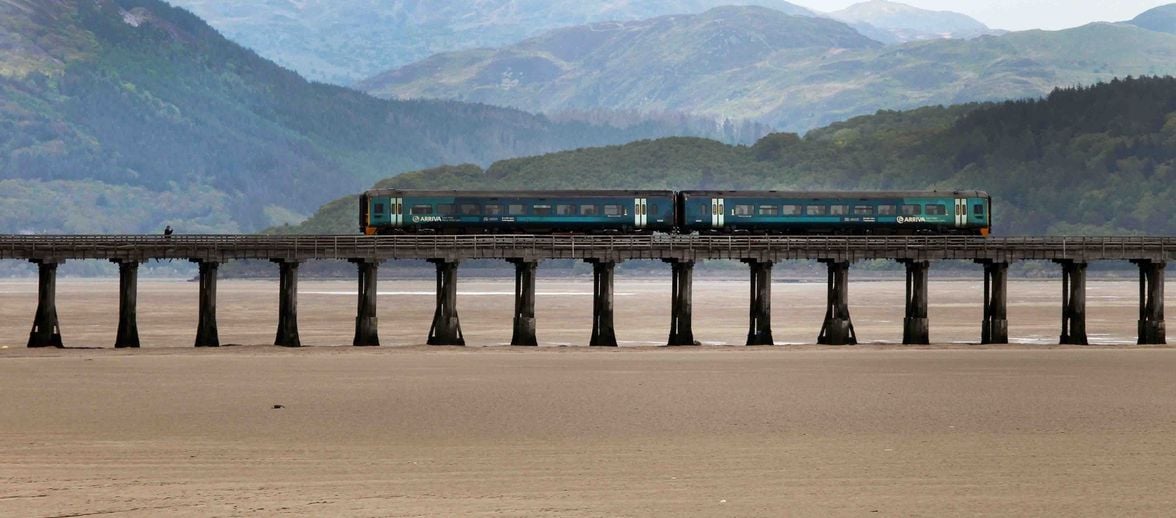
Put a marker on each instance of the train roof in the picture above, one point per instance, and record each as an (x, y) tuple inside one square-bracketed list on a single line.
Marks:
[(521, 193), (839, 194)]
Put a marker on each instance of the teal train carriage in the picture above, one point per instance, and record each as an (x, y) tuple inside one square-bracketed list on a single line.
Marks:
[(887, 213), (394, 211)]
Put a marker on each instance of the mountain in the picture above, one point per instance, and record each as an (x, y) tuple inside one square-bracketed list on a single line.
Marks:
[(342, 41), (125, 115), (1081, 161), (892, 22), (1162, 19), (790, 72)]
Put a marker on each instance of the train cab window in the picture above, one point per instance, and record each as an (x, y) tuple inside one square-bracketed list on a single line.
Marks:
[(838, 210), (588, 210), (380, 208), (768, 210), (516, 209), (743, 210), (470, 209), (912, 210), (445, 209), (790, 210), (422, 210), (816, 210), (978, 209), (565, 209), (863, 210), (614, 210), (492, 210), (541, 210), (937, 210), (887, 210)]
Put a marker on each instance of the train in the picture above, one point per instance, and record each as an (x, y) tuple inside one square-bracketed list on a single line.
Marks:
[(397, 211)]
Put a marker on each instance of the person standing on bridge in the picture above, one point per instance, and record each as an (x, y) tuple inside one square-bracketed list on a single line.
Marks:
[(167, 231)]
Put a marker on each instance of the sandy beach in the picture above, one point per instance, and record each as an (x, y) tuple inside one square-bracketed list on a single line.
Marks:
[(409, 430)]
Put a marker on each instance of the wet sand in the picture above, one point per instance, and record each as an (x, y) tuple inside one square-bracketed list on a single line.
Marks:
[(574, 431)]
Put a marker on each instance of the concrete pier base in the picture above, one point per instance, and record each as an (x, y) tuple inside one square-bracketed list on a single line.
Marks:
[(46, 332), (128, 287), (759, 327), (446, 328), (366, 328), (603, 332), (681, 303), (287, 335), (206, 331), (994, 329), (838, 326), (1151, 303), (915, 326), (524, 313), (1073, 303)]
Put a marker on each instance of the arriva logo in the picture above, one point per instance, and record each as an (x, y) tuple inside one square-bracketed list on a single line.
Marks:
[(911, 219), (427, 219)]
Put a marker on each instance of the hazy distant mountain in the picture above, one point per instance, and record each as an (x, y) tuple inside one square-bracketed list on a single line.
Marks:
[(346, 40), (124, 115), (894, 22), (792, 72), (1161, 19)]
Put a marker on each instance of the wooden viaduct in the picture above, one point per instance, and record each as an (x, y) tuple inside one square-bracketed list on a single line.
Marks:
[(1150, 254)]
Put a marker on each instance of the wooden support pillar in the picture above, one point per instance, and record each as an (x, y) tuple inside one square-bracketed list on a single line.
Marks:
[(46, 332), (759, 327), (446, 328), (524, 313), (287, 335), (1073, 303), (915, 327), (1151, 303), (366, 328), (603, 332), (838, 327), (995, 326), (206, 331), (128, 287), (681, 303)]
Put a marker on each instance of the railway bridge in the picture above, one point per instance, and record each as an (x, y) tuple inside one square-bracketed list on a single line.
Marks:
[(1073, 255)]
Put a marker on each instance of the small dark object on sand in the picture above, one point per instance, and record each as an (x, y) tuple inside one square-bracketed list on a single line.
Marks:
[(279, 406)]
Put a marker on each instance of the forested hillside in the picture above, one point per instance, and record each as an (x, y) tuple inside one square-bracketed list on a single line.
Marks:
[(125, 115), (1095, 160)]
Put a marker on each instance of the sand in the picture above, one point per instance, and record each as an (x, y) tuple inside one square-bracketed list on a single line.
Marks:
[(572, 431)]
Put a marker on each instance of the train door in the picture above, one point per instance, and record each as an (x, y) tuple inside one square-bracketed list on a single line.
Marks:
[(397, 212), (961, 212), (640, 213), (717, 209)]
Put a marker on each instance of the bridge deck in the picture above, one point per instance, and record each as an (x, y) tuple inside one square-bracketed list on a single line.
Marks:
[(536, 247)]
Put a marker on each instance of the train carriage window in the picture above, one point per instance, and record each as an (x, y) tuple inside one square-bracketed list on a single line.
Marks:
[(470, 209), (492, 210), (838, 210), (978, 209), (863, 210), (743, 210), (705, 211), (937, 210), (768, 210), (816, 210), (445, 209), (565, 209), (791, 210), (589, 210), (651, 209), (541, 210), (515, 209), (912, 210), (380, 208), (421, 210), (614, 210), (887, 210)]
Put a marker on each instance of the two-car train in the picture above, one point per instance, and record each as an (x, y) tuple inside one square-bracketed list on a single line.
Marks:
[(394, 211)]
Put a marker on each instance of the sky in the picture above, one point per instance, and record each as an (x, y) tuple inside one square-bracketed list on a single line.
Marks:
[(1015, 15)]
